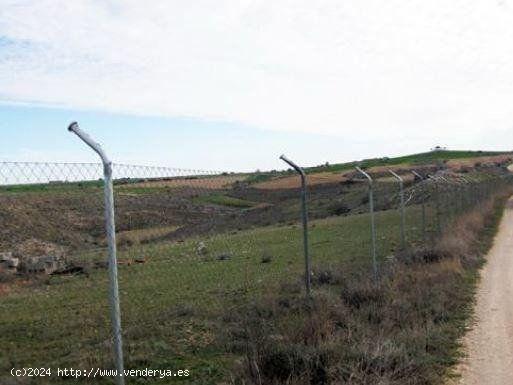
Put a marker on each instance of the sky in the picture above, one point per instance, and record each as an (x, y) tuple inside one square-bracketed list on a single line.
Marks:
[(230, 85)]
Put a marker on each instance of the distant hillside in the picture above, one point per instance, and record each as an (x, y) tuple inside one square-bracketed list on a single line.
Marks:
[(413, 159), (423, 158)]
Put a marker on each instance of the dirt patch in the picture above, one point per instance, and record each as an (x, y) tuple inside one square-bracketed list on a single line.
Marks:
[(457, 164), (294, 181)]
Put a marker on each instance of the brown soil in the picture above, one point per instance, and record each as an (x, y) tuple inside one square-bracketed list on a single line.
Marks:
[(293, 181), (484, 160)]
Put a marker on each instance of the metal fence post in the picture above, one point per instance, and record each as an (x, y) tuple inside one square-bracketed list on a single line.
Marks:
[(111, 240), (403, 216), (304, 218), (437, 205), (423, 207), (447, 203), (373, 224)]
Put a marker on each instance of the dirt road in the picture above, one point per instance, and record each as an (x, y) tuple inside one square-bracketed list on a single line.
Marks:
[(489, 345)]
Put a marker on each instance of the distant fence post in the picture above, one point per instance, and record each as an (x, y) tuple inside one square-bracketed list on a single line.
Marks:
[(437, 205), (423, 207), (448, 205), (111, 240), (304, 217), (373, 224), (401, 208)]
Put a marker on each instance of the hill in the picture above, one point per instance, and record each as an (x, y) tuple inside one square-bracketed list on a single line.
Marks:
[(413, 159), (459, 161)]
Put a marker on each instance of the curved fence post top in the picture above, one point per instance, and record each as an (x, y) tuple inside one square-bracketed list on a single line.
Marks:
[(293, 165), (74, 127), (366, 175), (396, 176)]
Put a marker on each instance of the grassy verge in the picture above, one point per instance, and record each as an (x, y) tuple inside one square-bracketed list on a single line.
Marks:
[(403, 329)]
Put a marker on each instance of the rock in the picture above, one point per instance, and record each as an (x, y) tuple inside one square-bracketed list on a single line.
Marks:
[(8, 261), (13, 263), (201, 249), (46, 264)]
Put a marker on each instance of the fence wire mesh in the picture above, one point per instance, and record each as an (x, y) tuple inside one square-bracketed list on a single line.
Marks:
[(195, 248)]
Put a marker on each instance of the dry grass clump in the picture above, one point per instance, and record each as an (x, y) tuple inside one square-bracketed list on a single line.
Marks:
[(402, 329)]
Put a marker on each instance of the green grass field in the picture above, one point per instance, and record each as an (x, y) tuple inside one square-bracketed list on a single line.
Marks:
[(172, 306)]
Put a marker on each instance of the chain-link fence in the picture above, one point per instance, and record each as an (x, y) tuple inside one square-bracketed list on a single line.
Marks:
[(194, 248)]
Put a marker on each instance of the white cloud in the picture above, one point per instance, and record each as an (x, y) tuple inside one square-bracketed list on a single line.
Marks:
[(419, 71)]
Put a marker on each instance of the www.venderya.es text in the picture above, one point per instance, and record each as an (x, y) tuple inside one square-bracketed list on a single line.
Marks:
[(98, 373)]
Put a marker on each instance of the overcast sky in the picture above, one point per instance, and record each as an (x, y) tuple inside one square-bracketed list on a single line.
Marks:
[(320, 80)]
